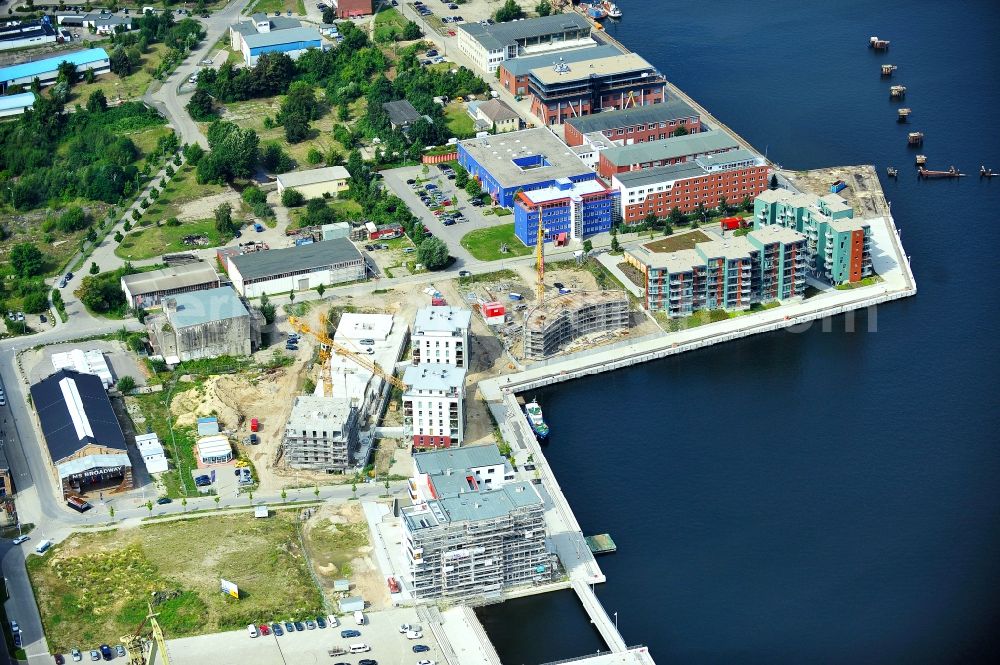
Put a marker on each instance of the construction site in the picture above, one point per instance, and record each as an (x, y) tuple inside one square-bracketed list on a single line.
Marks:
[(574, 321)]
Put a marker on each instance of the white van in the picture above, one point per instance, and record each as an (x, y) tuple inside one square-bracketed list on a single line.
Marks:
[(359, 648), (43, 547), (252, 629), (359, 618), (332, 621)]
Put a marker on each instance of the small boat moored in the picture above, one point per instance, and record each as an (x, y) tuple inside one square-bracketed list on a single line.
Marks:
[(987, 173), (952, 172), (612, 10), (536, 419), (892, 171)]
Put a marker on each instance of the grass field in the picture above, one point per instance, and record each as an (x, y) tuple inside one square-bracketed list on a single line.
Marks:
[(391, 17), (93, 590), (283, 6), (116, 87), (484, 244), (459, 122), (677, 242)]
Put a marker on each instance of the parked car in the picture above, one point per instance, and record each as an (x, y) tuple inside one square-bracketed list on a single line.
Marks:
[(75, 653), (320, 622), (310, 624), (106, 652), (425, 662), (202, 481), (431, 53), (265, 629), (95, 655), (276, 629), (420, 648), (120, 650), (367, 661), (299, 626), (163, 500), (350, 632), (464, 273), (332, 621), (20, 539), (59, 659), (449, 222), (413, 634), (289, 627)]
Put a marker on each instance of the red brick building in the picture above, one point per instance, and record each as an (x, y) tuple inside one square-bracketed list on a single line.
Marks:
[(352, 8), (735, 175), (635, 125), (675, 150)]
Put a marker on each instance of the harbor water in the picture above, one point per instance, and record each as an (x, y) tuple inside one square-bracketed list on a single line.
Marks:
[(828, 495)]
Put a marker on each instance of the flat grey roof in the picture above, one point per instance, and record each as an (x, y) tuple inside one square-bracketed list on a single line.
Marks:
[(457, 459), (489, 504), (313, 176), (434, 377), (681, 260), (585, 69), (197, 307), (441, 319), (499, 35), (495, 154), (730, 248), (670, 172), (521, 66), (283, 37), (311, 410), (671, 148), (671, 109), (301, 257), (775, 233), (173, 277)]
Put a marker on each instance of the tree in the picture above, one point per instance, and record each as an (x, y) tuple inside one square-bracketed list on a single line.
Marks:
[(588, 246), (314, 156), (267, 309), (701, 214), (224, 219), (676, 216), (680, 131), (296, 128), (473, 188), (354, 490), (433, 253), (461, 177), (126, 384), (35, 302), (615, 245), (543, 8), (118, 236), (97, 102), (94, 268), (291, 295), (111, 509), (193, 153), (651, 219), (328, 15), (284, 495), (27, 260), (217, 500), (66, 72), (774, 181), (149, 507), (184, 504), (73, 219), (723, 206), (292, 198), (411, 31), (321, 289), (668, 229), (201, 106), (509, 12), (746, 205)]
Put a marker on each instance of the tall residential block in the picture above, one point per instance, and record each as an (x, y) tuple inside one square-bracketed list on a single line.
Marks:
[(473, 532), (839, 246), (441, 336), (434, 405), (321, 433)]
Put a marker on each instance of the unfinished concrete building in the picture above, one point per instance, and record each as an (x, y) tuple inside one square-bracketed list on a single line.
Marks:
[(558, 322), (204, 324), (321, 433), (475, 539)]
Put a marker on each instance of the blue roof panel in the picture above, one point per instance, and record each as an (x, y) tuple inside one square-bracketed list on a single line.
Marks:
[(17, 101), (32, 69)]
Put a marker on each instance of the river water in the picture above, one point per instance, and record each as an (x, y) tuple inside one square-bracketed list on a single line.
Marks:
[(828, 495)]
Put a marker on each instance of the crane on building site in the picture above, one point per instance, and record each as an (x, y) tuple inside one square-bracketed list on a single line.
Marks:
[(540, 261), (136, 642), (327, 345)]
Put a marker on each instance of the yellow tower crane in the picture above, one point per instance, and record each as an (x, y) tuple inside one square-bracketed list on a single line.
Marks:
[(340, 350), (135, 643), (540, 260)]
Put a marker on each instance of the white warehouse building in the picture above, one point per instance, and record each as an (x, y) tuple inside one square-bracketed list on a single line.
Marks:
[(441, 336), (434, 406), (298, 268)]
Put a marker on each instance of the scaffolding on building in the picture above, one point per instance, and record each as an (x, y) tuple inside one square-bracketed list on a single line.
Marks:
[(559, 321)]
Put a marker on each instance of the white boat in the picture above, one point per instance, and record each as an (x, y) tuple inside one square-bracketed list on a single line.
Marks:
[(536, 419), (612, 10)]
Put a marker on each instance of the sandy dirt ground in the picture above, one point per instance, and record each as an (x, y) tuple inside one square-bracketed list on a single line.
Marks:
[(204, 208), (863, 192), (339, 547)]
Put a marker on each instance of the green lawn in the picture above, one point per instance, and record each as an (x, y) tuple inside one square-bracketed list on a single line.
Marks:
[(485, 244), (677, 242), (283, 6), (459, 122), (145, 243), (867, 281), (116, 87), (390, 16)]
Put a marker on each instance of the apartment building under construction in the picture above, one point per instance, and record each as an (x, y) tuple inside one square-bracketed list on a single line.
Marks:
[(558, 322), (472, 532)]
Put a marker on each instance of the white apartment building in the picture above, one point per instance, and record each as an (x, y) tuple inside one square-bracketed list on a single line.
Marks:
[(440, 473), (441, 336), (434, 405), (489, 45)]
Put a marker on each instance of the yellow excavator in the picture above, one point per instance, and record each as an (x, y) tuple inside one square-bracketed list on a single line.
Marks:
[(136, 643), (328, 345)]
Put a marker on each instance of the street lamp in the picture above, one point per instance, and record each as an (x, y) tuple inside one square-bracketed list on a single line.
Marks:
[(616, 620)]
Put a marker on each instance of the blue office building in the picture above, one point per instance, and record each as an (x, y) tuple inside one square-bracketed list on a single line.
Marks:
[(528, 160), (567, 211)]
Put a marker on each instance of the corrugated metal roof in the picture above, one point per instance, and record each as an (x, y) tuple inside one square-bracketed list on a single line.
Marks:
[(672, 109), (23, 100), (671, 148), (499, 35), (301, 257), (174, 277), (31, 69), (290, 36), (313, 176)]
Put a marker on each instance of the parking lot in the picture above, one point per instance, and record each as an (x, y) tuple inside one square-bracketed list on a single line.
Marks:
[(471, 217), (38, 363), (381, 633)]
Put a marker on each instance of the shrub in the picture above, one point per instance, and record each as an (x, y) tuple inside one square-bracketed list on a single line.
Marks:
[(292, 198)]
